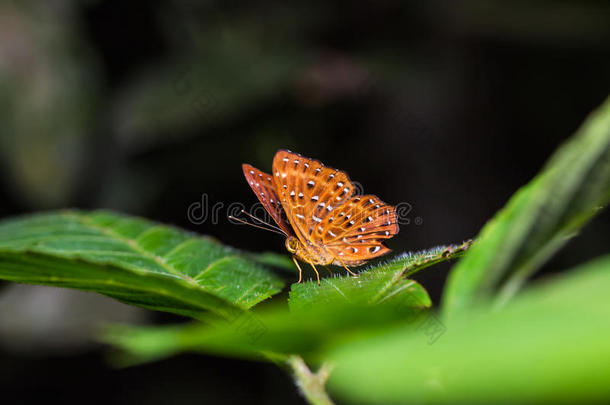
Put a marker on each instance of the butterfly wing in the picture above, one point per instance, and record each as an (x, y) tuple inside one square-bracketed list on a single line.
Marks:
[(264, 188), (355, 233), (321, 207), (308, 191)]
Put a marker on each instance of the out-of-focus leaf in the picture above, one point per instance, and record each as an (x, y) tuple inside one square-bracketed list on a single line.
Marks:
[(269, 334), (379, 283), (222, 76), (49, 88), (551, 345), (539, 218), (340, 307), (568, 24), (133, 260)]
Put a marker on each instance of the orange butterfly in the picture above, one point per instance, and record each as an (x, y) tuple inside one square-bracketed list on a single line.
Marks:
[(316, 209)]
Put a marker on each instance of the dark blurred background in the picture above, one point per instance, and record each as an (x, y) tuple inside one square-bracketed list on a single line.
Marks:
[(144, 107)]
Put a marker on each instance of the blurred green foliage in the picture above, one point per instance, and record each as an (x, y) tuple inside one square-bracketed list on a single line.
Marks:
[(50, 97), (549, 345), (538, 220)]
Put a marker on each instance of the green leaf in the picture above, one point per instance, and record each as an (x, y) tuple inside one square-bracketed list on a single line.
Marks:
[(538, 220), (272, 334), (379, 283), (340, 307), (369, 288), (551, 345), (133, 260)]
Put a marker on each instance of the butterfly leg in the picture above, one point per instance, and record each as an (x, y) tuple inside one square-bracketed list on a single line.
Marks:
[(316, 270), (346, 268), (294, 259)]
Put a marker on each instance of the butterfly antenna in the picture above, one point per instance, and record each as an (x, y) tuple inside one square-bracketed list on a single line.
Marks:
[(263, 222), (254, 225)]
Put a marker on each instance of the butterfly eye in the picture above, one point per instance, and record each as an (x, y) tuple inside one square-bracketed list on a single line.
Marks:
[(292, 244)]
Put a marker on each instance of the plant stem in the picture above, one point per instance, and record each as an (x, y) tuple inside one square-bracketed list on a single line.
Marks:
[(310, 384)]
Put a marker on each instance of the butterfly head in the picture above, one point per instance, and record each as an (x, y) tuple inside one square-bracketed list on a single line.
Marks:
[(306, 253), (292, 244)]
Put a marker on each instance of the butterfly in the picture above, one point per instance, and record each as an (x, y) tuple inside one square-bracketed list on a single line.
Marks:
[(316, 207)]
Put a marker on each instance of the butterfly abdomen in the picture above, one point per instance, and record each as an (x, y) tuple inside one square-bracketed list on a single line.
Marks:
[(313, 254)]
